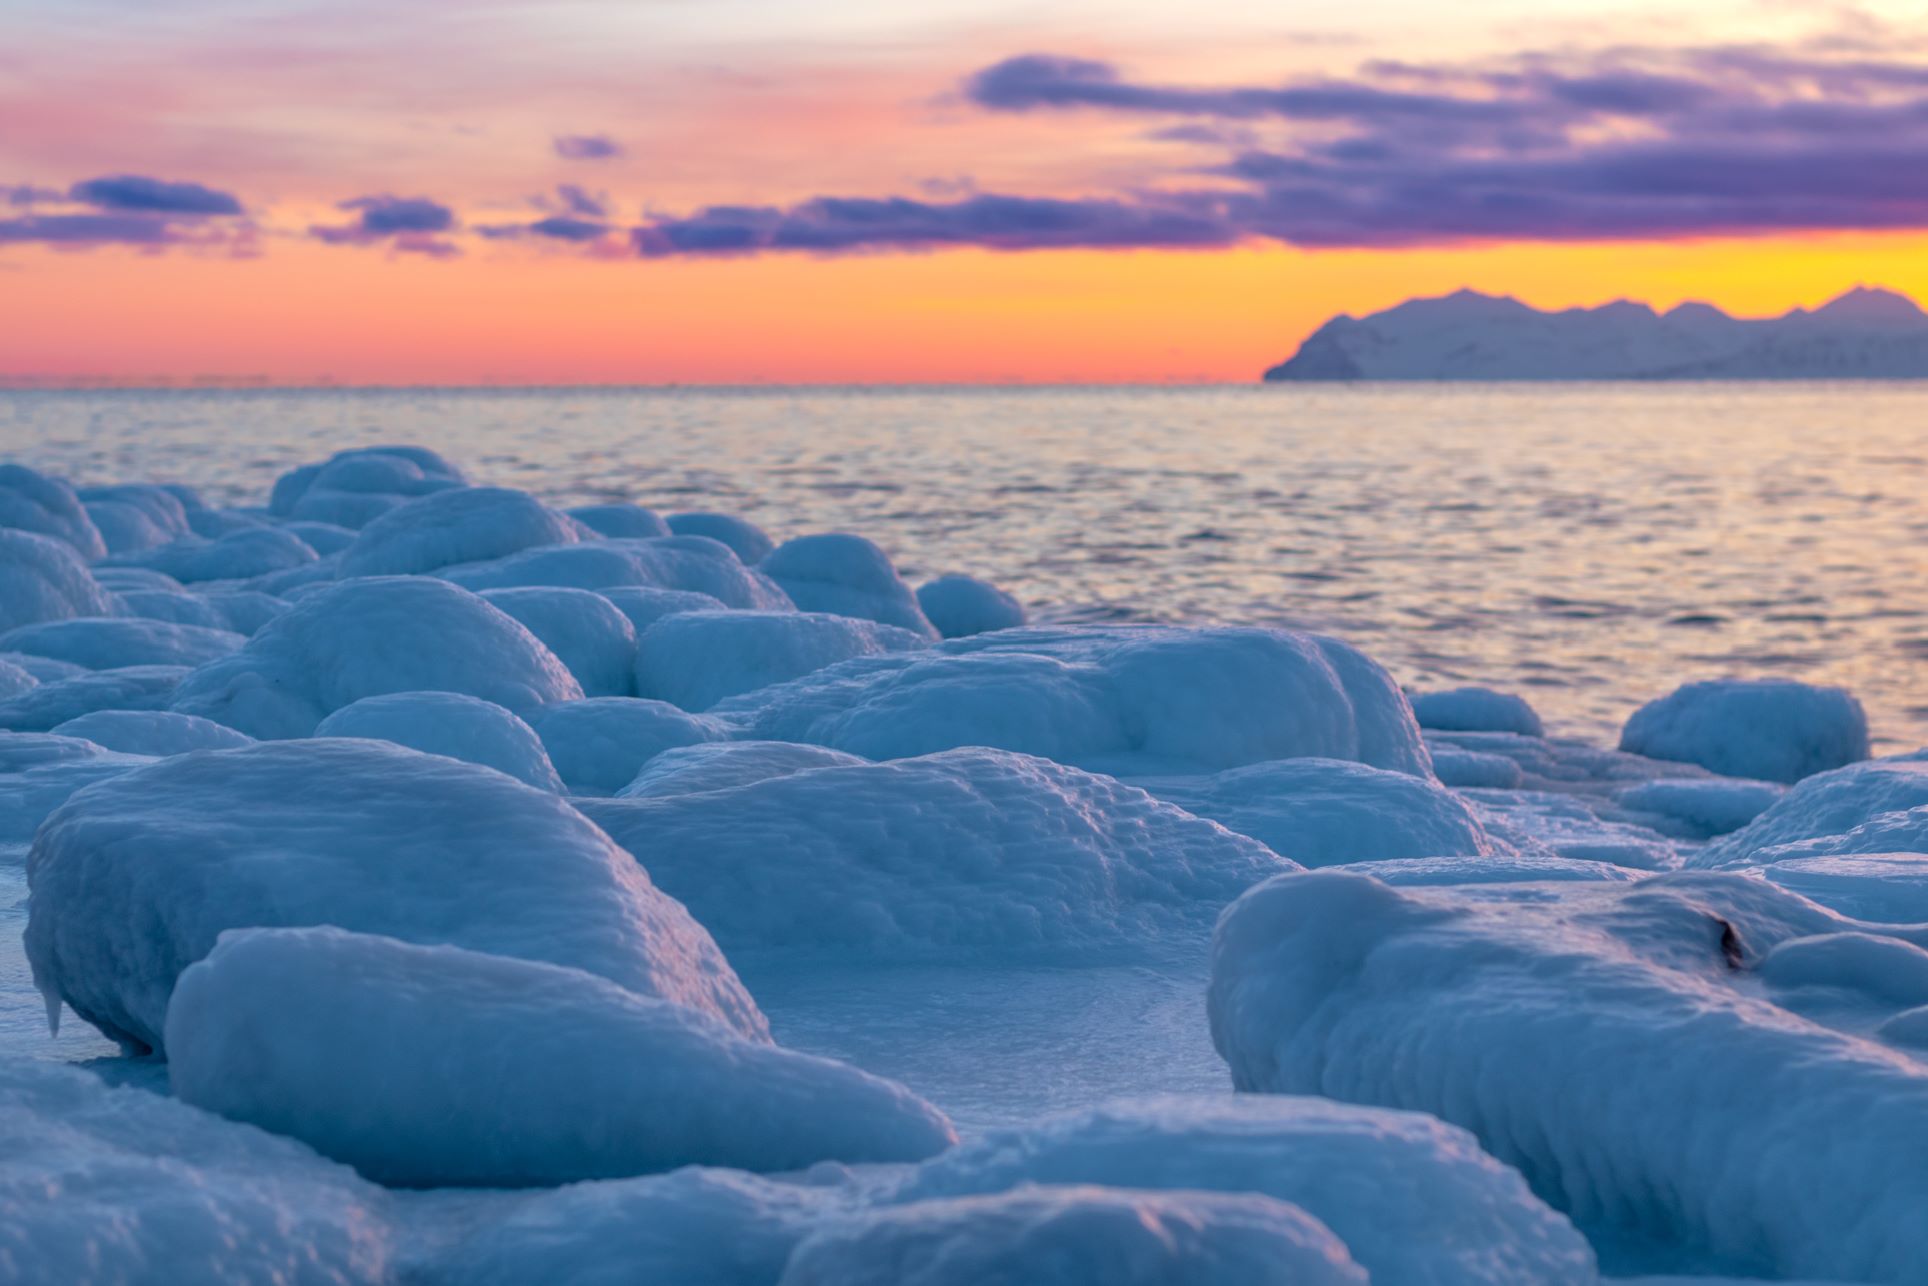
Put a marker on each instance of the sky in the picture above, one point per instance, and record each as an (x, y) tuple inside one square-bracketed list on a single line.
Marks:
[(788, 191)]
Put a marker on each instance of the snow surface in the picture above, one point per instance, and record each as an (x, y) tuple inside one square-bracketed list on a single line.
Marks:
[(697, 659), (847, 575), (157, 733), (958, 606), (43, 579), (34, 502), (1772, 729), (133, 879), (621, 520), (57, 700), (586, 631), (1880, 806), (459, 525), (692, 563), (449, 724), (341, 1040), (747, 540), (243, 553), (718, 765), (1477, 710), (598, 745), (113, 643)]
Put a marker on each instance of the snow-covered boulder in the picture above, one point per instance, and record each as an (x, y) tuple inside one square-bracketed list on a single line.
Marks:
[(363, 638), (1078, 1236), (1416, 1200), (718, 765), (34, 502), (959, 606), (452, 725), (324, 538), (136, 516), (1612, 1041), (586, 631), (353, 487), (1770, 729), (645, 605), (39, 771), (460, 525), (1707, 806), (239, 555), (968, 852), (152, 732), (114, 642), (56, 700), (43, 579), (1880, 806), (1885, 888), (118, 1185), (14, 680), (120, 580), (1134, 700), (846, 575), (621, 521), (696, 659), (1319, 812), (134, 879), (745, 538), (599, 745), (1477, 710), (245, 610), (172, 605), (342, 1040), (689, 563)]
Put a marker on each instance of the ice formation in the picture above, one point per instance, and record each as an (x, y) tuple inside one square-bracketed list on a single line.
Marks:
[(958, 606), (744, 537), (459, 525), (448, 724), (33, 502), (848, 575), (621, 520), (1772, 729), (598, 745), (113, 643), (1477, 710), (697, 659), (43, 579), (719, 765), (158, 733), (238, 555), (54, 701), (587, 632), (133, 879), (342, 1040)]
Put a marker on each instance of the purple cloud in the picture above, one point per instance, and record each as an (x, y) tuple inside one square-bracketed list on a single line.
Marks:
[(408, 225), (134, 193), (87, 230), (581, 203), (586, 147)]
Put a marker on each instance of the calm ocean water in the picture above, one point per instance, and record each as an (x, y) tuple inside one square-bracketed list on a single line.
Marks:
[(1589, 545)]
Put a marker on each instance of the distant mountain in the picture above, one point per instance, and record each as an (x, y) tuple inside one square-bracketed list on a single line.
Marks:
[(1865, 334)]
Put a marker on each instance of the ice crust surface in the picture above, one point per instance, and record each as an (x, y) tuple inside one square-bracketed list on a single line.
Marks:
[(633, 894)]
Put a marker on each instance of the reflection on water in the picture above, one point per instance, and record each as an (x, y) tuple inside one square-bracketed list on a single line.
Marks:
[(1591, 545)]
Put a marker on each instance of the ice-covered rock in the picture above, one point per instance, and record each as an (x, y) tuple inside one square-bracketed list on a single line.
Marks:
[(1880, 806), (120, 580), (363, 638), (353, 487), (152, 732), (1477, 710), (689, 563), (622, 521), (696, 659), (748, 540), (42, 669), (598, 745), (245, 610), (117, 1185), (14, 680), (1886, 888), (115, 642), (1609, 1040), (846, 575), (239, 555), (1416, 1200), (1122, 699), (324, 538), (55, 701), (133, 879), (1324, 811), (460, 525), (1078, 1236), (34, 502), (342, 1040), (39, 771), (958, 606), (645, 605), (136, 516), (452, 725), (1710, 806), (718, 765), (171, 605), (1474, 769), (586, 631), (1771, 729), (43, 579), (969, 851)]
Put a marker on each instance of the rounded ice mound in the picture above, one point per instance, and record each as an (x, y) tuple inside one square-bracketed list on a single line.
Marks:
[(1131, 700), (846, 575), (34, 502), (354, 486), (460, 525), (55, 701), (958, 606), (152, 732), (121, 580), (14, 680), (136, 516), (133, 879), (696, 659), (39, 771), (1885, 888), (586, 631), (364, 638), (119, 1185), (452, 725), (1415, 1199), (239, 555), (688, 563), (1571, 1031), (246, 610), (173, 606), (600, 744), (622, 521), (115, 642), (1477, 710), (645, 605), (1880, 806), (342, 1039), (43, 579), (977, 849), (1319, 812), (1771, 729), (1078, 1236), (718, 765), (744, 537), (1707, 806), (324, 538)]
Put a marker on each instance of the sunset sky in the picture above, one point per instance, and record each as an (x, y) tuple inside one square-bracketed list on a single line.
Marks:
[(759, 190)]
